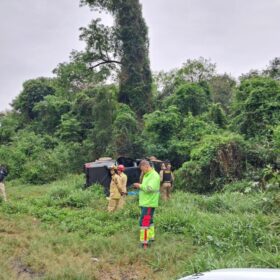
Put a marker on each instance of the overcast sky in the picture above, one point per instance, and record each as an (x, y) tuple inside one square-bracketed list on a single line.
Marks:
[(238, 35)]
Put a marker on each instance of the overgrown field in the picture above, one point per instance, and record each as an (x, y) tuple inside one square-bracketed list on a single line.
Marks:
[(59, 231)]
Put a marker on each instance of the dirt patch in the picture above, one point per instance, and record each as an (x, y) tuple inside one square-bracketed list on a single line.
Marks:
[(8, 232), (131, 272), (24, 272)]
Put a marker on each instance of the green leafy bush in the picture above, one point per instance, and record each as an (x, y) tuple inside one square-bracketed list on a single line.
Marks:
[(271, 183), (189, 97), (242, 186), (256, 106), (216, 160)]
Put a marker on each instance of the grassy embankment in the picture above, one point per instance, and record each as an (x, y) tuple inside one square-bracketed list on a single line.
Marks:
[(59, 231)]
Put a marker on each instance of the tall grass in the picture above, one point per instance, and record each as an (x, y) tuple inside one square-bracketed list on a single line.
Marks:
[(60, 231)]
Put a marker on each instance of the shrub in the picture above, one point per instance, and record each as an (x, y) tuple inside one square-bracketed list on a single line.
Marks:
[(216, 160), (276, 137), (271, 182), (256, 106), (271, 202), (243, 186), (46, 166)]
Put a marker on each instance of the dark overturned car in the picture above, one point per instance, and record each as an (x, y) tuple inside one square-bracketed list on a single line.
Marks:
[(97, 172)]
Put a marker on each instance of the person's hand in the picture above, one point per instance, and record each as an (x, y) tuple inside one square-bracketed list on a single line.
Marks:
[(136, 185)]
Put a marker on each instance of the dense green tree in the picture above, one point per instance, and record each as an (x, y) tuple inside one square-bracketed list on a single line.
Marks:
[(103, 116), (103, 47), (196, 70), (125, 134), (58, 124), (34, 91), (189, 97), (276, 146), (76, 75), (256, 106), (131, 31), (253, 73), (82, 108), (135, 76), (277, 137), (49, 112), (222, 87), (159, 127), (193, 71), (190, 132), (9, 124), (273, 70), (69, 129), (217, 115), (165, 83)]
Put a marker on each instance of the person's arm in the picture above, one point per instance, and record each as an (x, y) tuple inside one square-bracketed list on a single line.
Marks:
[(161, 175), (125, 184), (125, 181), (172, 177)]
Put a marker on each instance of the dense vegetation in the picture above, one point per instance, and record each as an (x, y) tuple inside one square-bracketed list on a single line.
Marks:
[(211, 143), (221, 134)]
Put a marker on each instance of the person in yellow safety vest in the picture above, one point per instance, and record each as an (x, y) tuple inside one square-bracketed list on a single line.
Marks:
[(166, 179), (123, 177), (148, 201), (115, 190)]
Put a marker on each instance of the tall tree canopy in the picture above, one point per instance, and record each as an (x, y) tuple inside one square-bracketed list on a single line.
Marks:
[(256, 106), (130, 42), (34, 91)]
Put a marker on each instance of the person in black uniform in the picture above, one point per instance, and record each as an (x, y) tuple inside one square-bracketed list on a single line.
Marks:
[(166, 179)]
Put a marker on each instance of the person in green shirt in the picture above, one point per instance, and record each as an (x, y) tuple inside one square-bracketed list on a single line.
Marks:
[(148, 201)]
